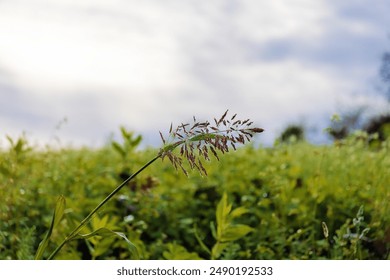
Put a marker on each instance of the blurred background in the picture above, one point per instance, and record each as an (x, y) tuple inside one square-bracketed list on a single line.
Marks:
[(72, 72)]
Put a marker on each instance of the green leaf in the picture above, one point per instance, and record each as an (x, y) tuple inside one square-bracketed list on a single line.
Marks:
[(199, 239), (213, 230), (238, 212), (118, 148), (203, 136), (178, 252), (360, 213), (136, 141), (57, 216), (218, 249), (10, 140), (124, 132), (235, 232), (59, 211), (223, 210), (105, 232), (98, 223), (18, 146)]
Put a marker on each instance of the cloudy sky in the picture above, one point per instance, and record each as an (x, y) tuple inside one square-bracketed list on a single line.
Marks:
[(77, 70)]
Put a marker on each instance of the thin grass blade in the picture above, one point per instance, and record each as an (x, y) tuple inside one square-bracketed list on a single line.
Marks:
[(57, 216), (105, 232)]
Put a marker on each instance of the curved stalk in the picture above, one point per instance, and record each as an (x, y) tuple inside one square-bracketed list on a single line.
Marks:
[(201, 136), (89, 216)]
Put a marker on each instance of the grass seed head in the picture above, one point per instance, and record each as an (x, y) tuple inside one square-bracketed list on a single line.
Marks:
[(198, 139)]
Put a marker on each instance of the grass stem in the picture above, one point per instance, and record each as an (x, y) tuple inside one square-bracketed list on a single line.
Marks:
[(104, 201)]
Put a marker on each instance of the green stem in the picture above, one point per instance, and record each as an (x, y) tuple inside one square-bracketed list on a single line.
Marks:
[(89, 216)]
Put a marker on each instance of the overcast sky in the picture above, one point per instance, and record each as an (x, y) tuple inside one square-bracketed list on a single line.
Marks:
[(77, 70)]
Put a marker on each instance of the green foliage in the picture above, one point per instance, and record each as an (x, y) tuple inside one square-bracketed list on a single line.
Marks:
[(18, 147), (227, 231), (292, 134), (178, 252), (350, 238), (99, 243), (57, 216), (379, 125), (129, 144), (256, 203)]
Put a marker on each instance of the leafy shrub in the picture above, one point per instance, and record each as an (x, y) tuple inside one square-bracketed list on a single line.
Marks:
[(294, 201)]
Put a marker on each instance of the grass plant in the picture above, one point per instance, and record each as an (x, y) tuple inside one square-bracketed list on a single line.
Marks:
[(295, 200), (199, 136)]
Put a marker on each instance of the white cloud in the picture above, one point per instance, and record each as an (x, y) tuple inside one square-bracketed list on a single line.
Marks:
[(147, 63), (55, 49)]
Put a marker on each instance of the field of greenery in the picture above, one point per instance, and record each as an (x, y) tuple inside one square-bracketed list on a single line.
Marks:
[(290, 201)]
